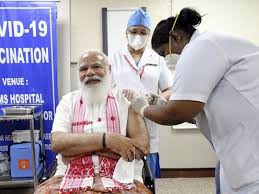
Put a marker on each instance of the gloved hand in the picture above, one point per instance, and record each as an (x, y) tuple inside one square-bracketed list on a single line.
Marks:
[(157, 99), (149, 98), (129, 94), (139, 104)]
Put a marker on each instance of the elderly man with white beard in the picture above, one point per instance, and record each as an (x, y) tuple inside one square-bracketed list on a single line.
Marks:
[(98, 137)]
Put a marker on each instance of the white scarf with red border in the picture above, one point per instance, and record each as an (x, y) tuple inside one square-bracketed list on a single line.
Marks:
[(80, 172)]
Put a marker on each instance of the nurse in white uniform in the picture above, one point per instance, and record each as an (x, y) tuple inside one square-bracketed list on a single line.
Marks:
[(216, 83), (140, 69)]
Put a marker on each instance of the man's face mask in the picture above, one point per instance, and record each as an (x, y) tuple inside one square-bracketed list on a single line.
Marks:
[(137, 41), (171, 60)]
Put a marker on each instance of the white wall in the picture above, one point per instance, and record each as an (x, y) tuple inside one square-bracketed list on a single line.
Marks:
[(63, 38), (185, 148)]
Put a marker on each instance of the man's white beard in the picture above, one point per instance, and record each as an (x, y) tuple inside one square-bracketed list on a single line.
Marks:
[(96, 93)]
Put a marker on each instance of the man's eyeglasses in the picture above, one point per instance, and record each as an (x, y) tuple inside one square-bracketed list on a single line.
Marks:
[(95, 67)]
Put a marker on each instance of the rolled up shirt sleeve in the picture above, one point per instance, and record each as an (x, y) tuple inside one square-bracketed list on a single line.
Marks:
[(199, 70), (63, 117)]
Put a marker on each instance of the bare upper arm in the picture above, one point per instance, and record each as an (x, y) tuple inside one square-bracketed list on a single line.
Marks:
[(56, 140), (135, 125), (137, 131)]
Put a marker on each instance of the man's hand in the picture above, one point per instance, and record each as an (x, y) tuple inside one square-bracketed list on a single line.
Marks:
[(138, 154), (121, 145), (108, 153), (149, 98), (143, 151), (140, 151)]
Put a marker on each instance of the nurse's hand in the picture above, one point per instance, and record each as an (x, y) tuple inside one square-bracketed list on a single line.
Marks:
[(157, 99), (149, 98), (139, 104), (129, 94)]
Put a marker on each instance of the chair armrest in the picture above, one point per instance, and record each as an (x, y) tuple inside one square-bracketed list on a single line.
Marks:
[(49, 172), (148, 179)]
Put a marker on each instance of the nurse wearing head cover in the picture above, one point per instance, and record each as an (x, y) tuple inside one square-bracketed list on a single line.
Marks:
[(137, 68), (217, 84)]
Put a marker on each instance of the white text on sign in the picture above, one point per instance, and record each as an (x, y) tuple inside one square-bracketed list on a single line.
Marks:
[(17, 29)]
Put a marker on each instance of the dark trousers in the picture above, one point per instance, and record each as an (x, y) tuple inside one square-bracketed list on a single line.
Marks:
[(217, 178)]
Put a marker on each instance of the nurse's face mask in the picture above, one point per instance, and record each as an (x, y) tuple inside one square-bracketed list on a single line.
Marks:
[(171, 59), (137, 37)]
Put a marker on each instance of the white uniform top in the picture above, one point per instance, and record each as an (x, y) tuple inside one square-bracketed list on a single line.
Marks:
[(63, 118), (223, 72), (155, 78)]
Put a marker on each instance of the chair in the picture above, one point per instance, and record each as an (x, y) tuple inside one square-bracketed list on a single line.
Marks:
[(49, 172), (148, 179)]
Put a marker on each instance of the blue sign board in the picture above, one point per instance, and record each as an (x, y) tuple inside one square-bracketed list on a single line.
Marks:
[(28, 62)]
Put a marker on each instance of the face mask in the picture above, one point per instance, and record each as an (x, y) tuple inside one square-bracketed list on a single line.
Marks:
[(126, 172), (171, 61), (137, 42)]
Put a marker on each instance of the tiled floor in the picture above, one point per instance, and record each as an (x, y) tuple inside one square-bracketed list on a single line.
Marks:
[(185, 186), (163, 186)]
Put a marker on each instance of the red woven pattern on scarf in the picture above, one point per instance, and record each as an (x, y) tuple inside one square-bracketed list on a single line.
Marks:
[(81, 167), (107, 166)]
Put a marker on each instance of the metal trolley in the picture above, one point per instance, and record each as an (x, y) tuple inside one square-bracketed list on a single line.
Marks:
[(28, 113)]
